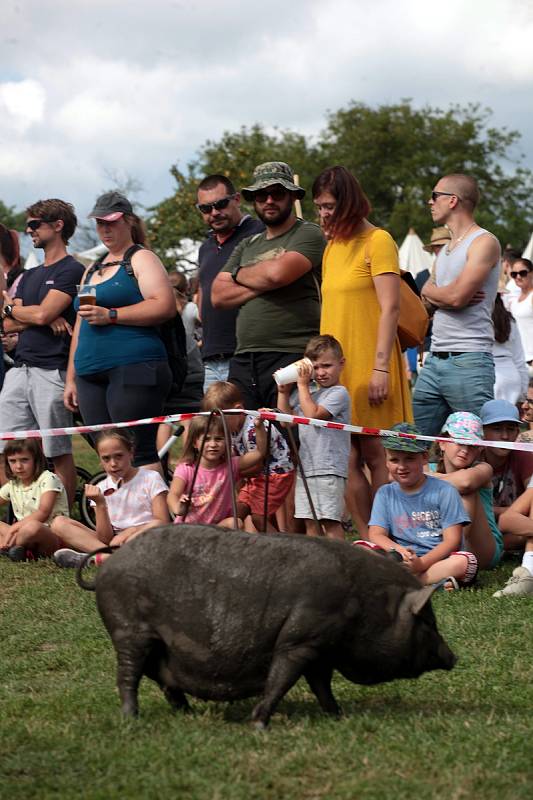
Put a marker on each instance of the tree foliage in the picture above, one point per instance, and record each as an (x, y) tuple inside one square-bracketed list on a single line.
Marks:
[(398, 152), (11, 218)]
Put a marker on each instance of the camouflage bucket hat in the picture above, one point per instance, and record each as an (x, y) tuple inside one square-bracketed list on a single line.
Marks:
[(272, 173), (405, 441)]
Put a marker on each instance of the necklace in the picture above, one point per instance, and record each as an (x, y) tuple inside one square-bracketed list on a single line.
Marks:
[(459, 240)]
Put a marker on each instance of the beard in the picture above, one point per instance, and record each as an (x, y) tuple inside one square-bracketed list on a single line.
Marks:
[(274, 220)]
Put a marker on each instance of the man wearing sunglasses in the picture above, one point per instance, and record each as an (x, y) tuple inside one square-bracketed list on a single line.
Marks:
[(43, 316), (219, 205), (458, 374), (273, 278)]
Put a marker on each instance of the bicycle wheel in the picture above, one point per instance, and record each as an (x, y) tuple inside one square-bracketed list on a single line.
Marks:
[(87, 514)]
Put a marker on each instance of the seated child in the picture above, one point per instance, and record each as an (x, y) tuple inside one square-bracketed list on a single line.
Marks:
[(420, 516), (37, 496), (324, 453), (209, 501), (462, 465), (129, 501), (518, 520), (251, 499)]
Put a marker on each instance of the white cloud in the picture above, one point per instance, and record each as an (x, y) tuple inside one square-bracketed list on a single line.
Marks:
[(92, 86)]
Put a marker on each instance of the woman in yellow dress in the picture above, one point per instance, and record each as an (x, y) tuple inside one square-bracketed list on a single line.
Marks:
[(361, 303)]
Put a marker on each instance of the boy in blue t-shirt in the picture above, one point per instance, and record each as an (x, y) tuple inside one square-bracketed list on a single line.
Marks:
[(421, 515)]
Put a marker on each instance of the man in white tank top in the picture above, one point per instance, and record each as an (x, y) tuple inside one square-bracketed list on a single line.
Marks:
[(458, 375)]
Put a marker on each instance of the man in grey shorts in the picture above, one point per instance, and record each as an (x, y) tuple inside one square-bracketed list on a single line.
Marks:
[(458, 374), (43, 316)]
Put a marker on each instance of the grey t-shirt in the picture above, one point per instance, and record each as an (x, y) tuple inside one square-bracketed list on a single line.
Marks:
[(469, 329), (324, 451)]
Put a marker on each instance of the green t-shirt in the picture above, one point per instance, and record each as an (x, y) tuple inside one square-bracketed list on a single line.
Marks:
[(283, 319)]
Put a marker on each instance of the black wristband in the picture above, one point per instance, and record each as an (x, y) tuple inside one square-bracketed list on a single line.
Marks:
[(234, 274)]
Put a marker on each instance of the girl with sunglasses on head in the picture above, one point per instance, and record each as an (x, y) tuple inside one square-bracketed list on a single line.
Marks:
[(129, 501), (521, 306)]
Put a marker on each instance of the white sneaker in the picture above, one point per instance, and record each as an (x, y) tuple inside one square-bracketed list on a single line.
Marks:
[(68, 558), (520, 583)]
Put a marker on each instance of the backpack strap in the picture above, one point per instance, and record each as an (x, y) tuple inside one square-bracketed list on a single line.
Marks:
[(126, 261)]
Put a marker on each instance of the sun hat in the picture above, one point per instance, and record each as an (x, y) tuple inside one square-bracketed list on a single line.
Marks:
[(269, 174), (406, 445), (111, 206), (499, 411), (440, 235), (464, 425)]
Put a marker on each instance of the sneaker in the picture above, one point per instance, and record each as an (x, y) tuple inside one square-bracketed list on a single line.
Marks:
[(19, 553), (520, 583), (68, 558)]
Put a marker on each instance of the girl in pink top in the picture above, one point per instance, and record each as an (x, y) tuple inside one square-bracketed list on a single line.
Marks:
[(210, 503)]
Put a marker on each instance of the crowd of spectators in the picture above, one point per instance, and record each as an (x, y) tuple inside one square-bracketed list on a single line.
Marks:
[(275, 289)]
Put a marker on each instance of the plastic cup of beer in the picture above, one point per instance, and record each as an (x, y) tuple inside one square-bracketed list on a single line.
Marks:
[(87, 295), (289, 374)]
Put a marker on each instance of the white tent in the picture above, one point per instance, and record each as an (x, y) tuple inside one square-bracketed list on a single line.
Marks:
[(413, 257), (528, 252), (89, 256), (31, 260)]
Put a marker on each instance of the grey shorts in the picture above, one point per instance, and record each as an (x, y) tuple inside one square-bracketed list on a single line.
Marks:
[(327, 493), (31, 398)]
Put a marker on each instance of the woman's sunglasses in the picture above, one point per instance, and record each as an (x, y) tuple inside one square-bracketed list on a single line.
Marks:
[(523, 273)]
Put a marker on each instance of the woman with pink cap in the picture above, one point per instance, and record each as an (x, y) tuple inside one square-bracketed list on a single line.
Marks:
[(118, 368), (461, 466)]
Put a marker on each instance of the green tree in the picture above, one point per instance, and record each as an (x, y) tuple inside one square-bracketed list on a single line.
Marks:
[(11, 218), (398, 153), (235, 156)]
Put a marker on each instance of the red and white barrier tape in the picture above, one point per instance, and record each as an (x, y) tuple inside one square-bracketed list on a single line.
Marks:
[(276, 416)]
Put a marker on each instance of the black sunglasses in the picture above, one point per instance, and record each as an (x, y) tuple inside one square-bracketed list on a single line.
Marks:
[(523, 273), (435, 195), (277, 193), (35, 224), (206, 208)]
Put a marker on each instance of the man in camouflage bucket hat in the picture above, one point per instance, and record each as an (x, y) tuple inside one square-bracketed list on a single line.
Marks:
[(269, 174), (273, 278)]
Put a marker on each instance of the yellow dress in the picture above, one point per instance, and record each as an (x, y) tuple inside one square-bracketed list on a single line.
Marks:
[(350, 312)]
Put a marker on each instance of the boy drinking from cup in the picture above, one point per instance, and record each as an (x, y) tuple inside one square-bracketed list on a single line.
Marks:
[(324, 452)]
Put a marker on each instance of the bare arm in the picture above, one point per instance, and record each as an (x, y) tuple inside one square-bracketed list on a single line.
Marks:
[(517, 518), (225, 293), (451, 540), (70, 394), (388, 293), (160, 508), (158, 304), (175, 494), (46, 505), (52, 307), (307, 404), (482, 255), (104, 529), (274, 273), (468, 480)]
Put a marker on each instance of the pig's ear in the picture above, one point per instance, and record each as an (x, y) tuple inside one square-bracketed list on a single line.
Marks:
[(414, 602)]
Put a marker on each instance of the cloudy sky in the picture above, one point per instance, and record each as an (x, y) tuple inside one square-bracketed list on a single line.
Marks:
[(89, 89)]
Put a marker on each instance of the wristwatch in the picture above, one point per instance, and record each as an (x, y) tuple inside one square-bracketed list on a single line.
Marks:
[(113, 316), (8, 310)]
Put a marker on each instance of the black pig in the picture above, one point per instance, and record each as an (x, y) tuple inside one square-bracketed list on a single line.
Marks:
[(226, 615)]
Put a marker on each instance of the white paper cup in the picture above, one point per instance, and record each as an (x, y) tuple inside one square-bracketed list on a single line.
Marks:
[(289, 374)]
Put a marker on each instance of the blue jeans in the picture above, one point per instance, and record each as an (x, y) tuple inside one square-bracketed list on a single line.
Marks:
[(215, 370), (458, 383)]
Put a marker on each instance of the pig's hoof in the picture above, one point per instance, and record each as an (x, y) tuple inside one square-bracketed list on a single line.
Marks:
[(259, 725)]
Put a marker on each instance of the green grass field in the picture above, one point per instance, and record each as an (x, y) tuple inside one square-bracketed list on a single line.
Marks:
[(466, 733)]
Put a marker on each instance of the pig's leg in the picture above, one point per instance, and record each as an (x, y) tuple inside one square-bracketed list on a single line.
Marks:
[(319, 679), (176, 698), (132, 653), (284, 671)]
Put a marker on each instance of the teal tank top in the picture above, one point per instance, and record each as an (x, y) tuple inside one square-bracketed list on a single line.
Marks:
[(102, 347)]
